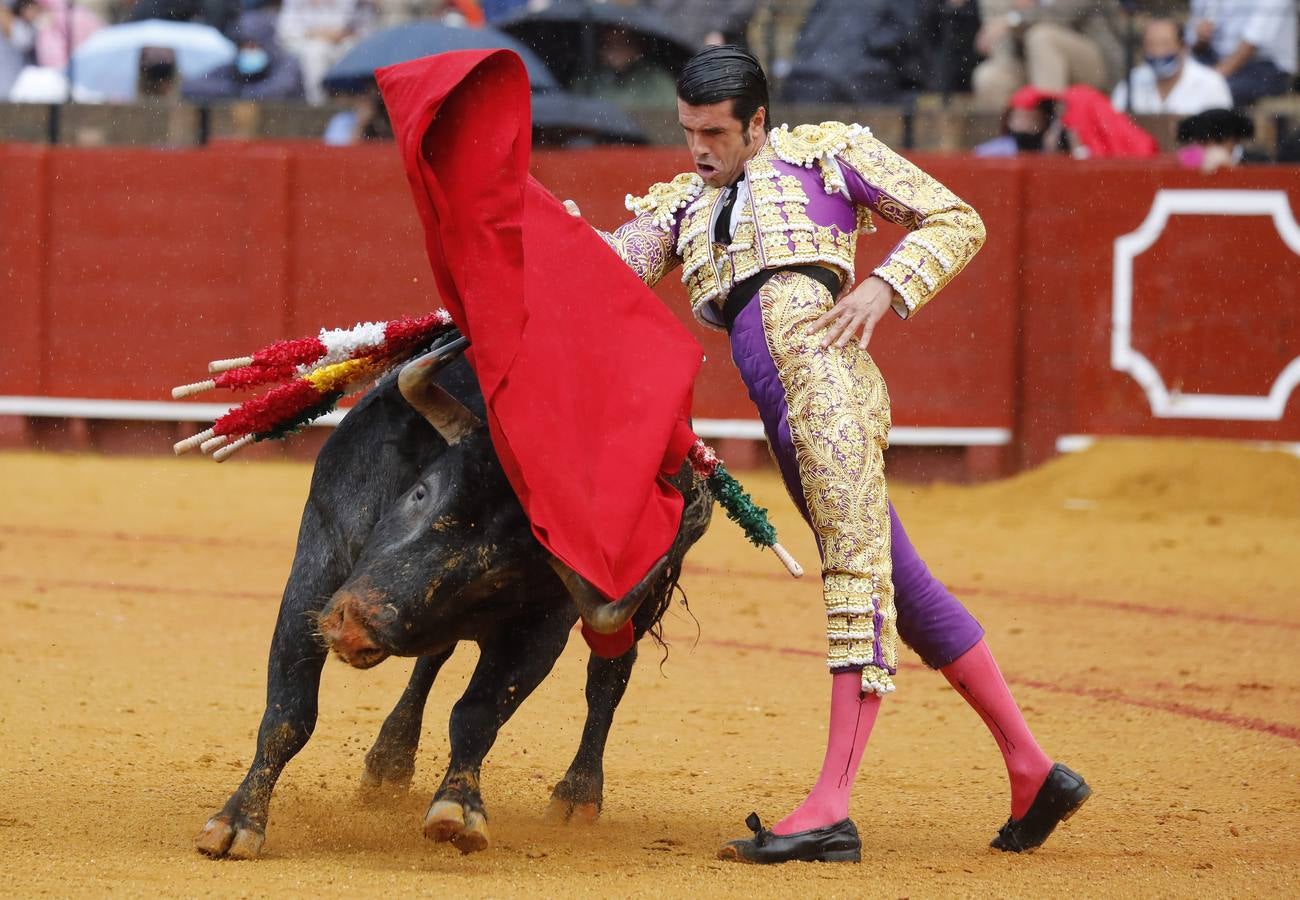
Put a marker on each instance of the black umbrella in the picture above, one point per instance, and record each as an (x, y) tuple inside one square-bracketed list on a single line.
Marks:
[(563, 119), (355, 72), (566, 34)]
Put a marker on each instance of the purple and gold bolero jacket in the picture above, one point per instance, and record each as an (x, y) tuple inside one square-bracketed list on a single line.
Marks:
[(812, 189)]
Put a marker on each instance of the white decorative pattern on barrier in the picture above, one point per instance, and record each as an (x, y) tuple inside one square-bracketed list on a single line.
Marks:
[(1125, 358)]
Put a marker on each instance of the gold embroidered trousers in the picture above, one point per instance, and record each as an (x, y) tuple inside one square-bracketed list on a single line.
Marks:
[(826, 413)]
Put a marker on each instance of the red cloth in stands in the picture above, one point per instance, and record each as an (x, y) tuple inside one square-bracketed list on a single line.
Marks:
[(1086, 111), (586, 376), (1106, 132)]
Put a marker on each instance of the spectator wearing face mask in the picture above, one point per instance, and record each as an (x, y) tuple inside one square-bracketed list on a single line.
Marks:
[(1078, 121), (1170, 80), (262, 70)]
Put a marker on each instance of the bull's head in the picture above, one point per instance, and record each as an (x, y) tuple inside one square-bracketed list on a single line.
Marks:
[(442, 553)]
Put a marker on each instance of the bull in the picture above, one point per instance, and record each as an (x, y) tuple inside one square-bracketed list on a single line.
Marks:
[(412, 540)]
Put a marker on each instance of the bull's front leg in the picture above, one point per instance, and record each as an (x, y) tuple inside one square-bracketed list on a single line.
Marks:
[(390, 764), (292, 686), (511, 665), (579, 794)]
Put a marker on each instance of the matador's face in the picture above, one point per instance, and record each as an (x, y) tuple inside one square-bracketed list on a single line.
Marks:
[(720, 144)]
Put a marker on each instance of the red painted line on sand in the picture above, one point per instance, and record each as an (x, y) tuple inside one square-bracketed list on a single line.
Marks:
[(1126, 606), (1129, 606), (124, 587), (1172, 612), (1244, 723), (132, 537)]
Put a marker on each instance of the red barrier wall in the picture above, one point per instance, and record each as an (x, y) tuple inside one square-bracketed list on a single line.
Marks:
[(124, 270)]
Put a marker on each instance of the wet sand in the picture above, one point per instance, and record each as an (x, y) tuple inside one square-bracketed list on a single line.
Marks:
[(1143, 599)]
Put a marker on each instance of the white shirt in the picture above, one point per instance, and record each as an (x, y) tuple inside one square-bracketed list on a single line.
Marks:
[(1267, 25), (1197, 89)]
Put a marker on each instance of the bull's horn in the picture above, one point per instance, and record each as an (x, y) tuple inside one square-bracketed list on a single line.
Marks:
[(600, 615), (452, 420)]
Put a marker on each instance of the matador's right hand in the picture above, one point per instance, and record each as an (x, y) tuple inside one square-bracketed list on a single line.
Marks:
[(573, 209)]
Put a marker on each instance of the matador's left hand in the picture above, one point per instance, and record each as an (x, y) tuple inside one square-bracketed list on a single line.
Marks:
[(861, 308)]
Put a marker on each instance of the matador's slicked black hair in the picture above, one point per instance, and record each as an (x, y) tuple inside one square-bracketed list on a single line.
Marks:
[(723, 73)]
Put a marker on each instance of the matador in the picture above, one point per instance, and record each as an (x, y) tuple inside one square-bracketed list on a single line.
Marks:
[(765, 232)]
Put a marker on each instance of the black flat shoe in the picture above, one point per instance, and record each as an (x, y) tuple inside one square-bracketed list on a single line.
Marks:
[(833, 843), (1060, 797)]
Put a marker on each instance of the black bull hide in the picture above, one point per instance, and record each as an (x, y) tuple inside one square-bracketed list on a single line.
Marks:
[(407, 546)]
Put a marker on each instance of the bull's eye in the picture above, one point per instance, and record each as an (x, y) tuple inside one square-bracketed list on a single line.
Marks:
[(419, 493)]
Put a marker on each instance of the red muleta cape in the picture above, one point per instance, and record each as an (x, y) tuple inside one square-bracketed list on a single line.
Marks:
[(586, 376)]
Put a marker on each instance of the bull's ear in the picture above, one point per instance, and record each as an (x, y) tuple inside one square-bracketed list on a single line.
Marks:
[(416, 382)]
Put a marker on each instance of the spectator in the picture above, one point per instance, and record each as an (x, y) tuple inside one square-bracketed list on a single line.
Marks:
[(1028, 118), (366, 120), (318, 33), (1049, 44), (707, 22), (220, 14), (1288, 149), (157, 78), (1079, 121), (262, 70), (1252, 43), (52, 36), (17, 41), (1170, 80), (624, 76), (951, 27), (495, 10), (858, 51), (1216, 139)]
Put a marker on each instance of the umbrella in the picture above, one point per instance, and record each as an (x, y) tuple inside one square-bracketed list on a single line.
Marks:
[(355, 72), (560, 119), (108, 62), (565, 35)]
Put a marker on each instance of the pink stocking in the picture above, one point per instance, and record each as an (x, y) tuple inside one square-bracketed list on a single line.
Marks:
[(977, 678), (852, 717)]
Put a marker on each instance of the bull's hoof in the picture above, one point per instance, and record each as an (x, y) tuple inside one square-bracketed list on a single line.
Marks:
[(383, 787), (561, 811), (575, 798), (449, 822), (237, 839)]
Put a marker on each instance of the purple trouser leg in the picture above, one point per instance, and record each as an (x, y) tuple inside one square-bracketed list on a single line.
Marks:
[(930, 619)]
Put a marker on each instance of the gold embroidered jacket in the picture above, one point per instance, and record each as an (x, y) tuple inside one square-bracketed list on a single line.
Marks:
[(811, 190)]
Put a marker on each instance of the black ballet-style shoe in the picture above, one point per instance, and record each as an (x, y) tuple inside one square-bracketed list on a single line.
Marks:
[(832, 843), (1060, 797)]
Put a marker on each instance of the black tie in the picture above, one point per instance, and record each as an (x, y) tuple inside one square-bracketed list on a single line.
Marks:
[(722, 227)]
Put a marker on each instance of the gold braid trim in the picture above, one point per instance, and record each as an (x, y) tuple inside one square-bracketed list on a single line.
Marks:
[(665, 198), (646, 249), (946, 231), (804, 145), (838, 412)]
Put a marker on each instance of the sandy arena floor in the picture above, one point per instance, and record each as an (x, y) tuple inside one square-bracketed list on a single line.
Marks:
[(1144, 600)]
